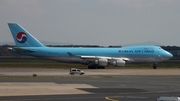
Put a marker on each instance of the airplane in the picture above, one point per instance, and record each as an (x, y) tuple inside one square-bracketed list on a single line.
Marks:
[(95, 58)]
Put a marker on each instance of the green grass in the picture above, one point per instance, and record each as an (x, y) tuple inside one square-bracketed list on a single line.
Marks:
[(34, 63), (41, 63)]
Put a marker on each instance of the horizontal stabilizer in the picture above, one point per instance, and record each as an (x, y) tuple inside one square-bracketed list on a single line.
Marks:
[(10, 48), (24, 50)]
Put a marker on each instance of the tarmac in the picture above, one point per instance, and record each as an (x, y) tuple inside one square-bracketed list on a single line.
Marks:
[(96, 85), (90, 72)]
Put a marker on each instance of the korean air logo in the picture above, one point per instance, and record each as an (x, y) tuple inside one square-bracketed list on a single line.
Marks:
[(21, 37)]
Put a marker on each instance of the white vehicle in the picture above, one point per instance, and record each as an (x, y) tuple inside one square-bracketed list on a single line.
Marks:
[(168, 99), (76, 71)]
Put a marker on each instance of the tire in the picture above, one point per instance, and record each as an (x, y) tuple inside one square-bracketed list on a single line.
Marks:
[(101, 67), (154, 66), (92, 67)]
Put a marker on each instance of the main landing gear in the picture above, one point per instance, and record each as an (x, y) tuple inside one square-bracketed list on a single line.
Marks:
[(154, 66), (95, 67)]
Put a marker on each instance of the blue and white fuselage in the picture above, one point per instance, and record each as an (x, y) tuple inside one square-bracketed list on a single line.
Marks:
[(133, 53), (94, 57)]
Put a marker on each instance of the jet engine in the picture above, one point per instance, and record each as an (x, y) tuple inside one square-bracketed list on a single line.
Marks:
[(101, 62), (118, 63)]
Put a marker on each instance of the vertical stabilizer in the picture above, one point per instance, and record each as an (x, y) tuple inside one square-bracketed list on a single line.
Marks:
[(22, 37)]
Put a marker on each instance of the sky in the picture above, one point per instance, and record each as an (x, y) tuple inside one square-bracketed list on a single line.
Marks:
[(94, 22)]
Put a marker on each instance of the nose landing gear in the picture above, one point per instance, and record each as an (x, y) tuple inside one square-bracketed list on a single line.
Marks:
[(154, 66)]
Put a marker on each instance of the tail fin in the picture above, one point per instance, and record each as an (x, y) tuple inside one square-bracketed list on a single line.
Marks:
[(22, 37)]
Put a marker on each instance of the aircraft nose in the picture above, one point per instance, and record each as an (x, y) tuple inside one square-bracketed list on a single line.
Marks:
[(168, 54)]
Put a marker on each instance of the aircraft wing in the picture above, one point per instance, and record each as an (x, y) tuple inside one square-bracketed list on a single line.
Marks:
[(102, 57), (98, 57), (104, 61)]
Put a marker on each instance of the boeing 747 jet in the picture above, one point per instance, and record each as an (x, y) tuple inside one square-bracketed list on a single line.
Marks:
[(93, 57)]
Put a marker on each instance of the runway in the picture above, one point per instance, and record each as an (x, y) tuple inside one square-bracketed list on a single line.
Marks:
[(91, 72), (90, 87)]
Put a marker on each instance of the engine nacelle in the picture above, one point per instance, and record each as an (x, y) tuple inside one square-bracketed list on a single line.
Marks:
[(119, 63), (101, 62)]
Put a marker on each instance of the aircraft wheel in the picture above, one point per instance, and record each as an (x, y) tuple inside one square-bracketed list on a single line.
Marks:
[(154, 66), (98, 67), (92, 67), (101, 67), (95, 67)]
